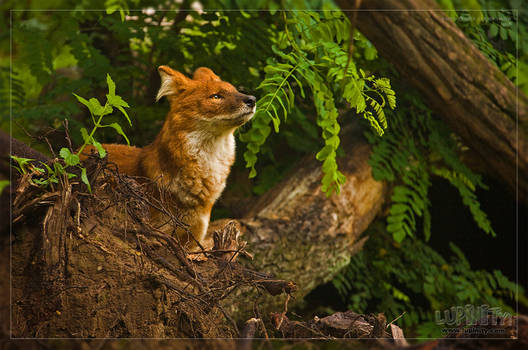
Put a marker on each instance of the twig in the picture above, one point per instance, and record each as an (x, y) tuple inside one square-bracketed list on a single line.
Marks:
[(18, 212), (396, 319), (78, 216), (67, 134), (259, 317), (353, 22), (226, 315), (283, 312)]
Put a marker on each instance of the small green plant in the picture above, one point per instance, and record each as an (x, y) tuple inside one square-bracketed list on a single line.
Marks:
[(26, 166), (72, 159), (23, 164), (97, 113)]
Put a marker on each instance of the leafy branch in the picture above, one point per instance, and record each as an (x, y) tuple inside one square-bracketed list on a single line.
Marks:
[(311, 51)]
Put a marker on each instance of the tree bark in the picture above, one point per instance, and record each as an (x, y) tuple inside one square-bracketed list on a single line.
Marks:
[(20, 149), (298, 233), (461, 85)]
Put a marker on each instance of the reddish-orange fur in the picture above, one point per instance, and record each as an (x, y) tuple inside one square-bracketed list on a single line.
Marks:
[(193, 152)]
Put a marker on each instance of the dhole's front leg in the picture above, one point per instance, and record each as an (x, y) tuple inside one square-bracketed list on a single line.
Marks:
[(198, 228)]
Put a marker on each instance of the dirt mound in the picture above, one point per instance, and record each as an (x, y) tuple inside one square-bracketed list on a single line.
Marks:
[(96, 267)]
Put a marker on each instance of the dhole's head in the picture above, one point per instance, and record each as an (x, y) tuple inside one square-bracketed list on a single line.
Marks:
[(205, 100)]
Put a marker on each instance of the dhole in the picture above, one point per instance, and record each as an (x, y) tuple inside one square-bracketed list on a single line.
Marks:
[(193, 153)]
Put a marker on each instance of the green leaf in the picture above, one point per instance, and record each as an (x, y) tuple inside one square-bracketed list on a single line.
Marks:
[(324, 153), (116, 101), (112, 8), (70, 159), (503, 33), (22, 162), (111, 85), (360, 103), (333, 141), (100, 149), (125, 114), (95, 107), (117, 128), (41, 182), (282, 105), (493, 30), (329, 165), (362, 73), (50, 171), (276, 122), (84, 102), (87, 139), (370, 53), (398, 209), (84, 179), (398, 235)]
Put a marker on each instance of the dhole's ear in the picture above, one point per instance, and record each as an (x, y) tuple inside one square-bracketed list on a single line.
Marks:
[(205, 74), (172, 82)]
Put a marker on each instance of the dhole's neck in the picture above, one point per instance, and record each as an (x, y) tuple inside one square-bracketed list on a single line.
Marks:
[(179, 146)]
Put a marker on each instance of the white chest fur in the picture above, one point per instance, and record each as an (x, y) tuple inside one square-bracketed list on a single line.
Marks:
[(214, 154), (203, 177)]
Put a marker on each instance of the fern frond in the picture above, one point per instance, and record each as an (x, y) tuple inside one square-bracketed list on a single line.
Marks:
[(35, 53), (275, 85), (16, 95), (311, 52), (409, 152), (466, 190)]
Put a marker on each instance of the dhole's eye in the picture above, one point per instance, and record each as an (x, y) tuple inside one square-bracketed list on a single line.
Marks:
[(216, 96)]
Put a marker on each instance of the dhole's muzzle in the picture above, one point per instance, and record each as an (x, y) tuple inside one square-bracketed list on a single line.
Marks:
[(247, 110)]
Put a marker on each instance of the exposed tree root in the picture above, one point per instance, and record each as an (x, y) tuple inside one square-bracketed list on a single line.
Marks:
[(97, 267)]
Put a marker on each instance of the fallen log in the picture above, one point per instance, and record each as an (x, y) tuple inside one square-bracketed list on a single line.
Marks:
[(296, 232)]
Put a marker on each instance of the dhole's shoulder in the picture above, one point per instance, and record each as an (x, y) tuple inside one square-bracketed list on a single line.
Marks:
[(124, 156), (114, 149)]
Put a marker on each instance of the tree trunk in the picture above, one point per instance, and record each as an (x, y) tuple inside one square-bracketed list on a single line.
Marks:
[(464, 88)]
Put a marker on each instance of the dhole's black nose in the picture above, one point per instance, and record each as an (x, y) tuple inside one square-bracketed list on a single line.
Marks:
[(250, 101)]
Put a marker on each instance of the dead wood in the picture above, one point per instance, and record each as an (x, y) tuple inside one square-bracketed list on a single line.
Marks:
[(339, 325), (20, 149)]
